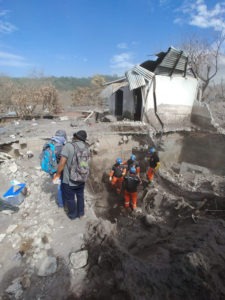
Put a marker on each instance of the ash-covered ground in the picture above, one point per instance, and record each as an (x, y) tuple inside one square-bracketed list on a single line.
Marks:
[(173, 247)]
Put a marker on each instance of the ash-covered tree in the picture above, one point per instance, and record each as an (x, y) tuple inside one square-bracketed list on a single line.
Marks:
[(89, 95), (26, 99), (6, 91), (204, 58), (50, 99)]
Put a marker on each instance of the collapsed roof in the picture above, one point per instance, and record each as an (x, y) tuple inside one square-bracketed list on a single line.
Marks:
[(172, 62)]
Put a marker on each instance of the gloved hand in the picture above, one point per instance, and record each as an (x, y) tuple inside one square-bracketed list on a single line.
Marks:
[(157, 167), (56, 179), (110, 178)]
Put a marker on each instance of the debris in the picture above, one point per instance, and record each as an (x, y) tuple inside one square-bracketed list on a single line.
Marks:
[(30, 154), (47, 266), (4, 157), (91, 113), (15, 194)]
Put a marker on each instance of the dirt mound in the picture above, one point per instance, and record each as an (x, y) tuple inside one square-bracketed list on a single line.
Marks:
[(159, 262)]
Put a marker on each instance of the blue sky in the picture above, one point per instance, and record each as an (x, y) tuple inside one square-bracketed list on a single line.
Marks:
[(83, 38)]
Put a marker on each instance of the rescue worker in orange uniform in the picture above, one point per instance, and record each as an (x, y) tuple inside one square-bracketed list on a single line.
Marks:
[(116, 175), (154, 164), (131, 182), (132, 162)]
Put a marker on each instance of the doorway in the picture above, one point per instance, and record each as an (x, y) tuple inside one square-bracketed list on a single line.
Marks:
[(137, 104), (119, 103)]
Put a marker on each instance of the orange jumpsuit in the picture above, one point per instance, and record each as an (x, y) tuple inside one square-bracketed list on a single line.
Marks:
[(117, 173), (131, 182), (153, 166), (130, 163)]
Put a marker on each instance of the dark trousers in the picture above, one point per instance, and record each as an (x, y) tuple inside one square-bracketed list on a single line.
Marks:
[(73, 198)]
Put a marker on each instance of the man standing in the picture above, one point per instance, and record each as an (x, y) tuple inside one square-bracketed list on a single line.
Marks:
[(74, 165), (50, 157), (116, 175), (131, 182), (154, 164)]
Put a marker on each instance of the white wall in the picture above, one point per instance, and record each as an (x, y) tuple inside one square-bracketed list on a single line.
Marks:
[(173, 91), (128, 103)]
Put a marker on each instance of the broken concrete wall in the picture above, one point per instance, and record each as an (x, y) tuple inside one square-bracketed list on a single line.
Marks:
[(202, 116)]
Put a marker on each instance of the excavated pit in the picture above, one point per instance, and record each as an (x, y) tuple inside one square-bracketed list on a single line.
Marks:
[(173, 247), (190, 156)]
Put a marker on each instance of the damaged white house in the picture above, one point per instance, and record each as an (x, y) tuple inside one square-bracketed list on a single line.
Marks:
[(160, 92)]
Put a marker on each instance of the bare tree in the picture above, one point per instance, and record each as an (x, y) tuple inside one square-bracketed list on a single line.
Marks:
[(25, 99), (49, 96), (6, 90), (203, 57), (89, 95)]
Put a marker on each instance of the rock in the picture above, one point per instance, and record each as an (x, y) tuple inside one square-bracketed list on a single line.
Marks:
[(150, 219), (2, 235), (13, 167), (11, 228), (79, 259), (25, 282), (48, 266), (15, 289), (30, 154)]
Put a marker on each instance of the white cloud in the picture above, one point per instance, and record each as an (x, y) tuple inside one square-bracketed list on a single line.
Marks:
[(163, 2), (122, 46), (5, 26), (121, 62), (197, 13), (12, 60), (3, 12), (60, 57)]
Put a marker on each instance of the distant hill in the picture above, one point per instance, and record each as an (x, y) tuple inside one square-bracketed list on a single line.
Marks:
[(63, 83)]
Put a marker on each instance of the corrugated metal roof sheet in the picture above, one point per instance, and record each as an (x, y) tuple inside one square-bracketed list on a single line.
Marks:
[(115, 81), (112, 88), (144, 72), (174, 60), (171, 62), (137, 77)]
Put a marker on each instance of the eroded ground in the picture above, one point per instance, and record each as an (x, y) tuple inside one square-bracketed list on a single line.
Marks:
[(172, 248)]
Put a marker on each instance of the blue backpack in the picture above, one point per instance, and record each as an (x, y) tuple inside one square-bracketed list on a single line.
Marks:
[(48, 158)]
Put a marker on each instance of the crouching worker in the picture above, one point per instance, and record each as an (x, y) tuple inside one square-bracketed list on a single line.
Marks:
[(154, 164), (132, 162), (131, 182), (116, 175)]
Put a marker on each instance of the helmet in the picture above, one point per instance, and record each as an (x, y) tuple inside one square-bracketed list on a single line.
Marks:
[(152, 150), (133, 170), (119, 160), (133, 157)]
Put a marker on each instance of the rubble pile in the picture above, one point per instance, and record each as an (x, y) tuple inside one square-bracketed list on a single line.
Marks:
[(172, 247)]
